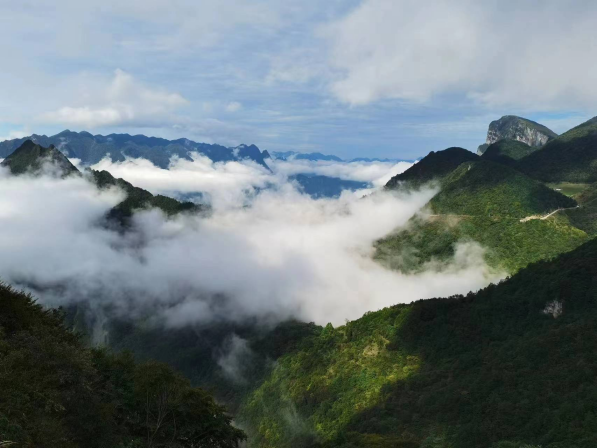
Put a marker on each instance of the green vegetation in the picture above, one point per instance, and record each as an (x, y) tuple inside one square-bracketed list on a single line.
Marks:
[(485, 202), (434, 166), (585, 217), (572, 157), (510, 366), (198, 348), (508, 151), (30, 157), (493, 190), (568, 188), (54, 392), (138, 199), (509, 244)]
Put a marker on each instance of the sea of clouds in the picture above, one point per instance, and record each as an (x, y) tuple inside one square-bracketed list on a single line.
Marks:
[(265, 251)]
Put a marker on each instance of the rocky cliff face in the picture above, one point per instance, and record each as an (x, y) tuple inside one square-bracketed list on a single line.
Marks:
[(519, 129)]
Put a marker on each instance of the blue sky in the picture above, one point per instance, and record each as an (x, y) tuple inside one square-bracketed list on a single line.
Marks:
[(376, 78)]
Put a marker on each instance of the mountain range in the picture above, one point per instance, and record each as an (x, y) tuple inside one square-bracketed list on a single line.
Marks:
[(32, 158), (510, 366), (500, 200), (318, 157), (90, 149)]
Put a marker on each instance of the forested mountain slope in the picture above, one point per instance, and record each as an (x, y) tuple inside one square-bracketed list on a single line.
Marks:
[(491, 204), (508, 152), (492, 189), (508, 366), (432, 167), (572, 157), (32, 158), (54, 392)]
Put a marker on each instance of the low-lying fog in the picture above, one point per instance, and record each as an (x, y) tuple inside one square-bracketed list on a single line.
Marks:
[(266, 251)]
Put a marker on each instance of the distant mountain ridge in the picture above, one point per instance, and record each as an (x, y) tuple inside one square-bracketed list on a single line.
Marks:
[(318, 186), (314, 156), (90, 149), (317, 156)]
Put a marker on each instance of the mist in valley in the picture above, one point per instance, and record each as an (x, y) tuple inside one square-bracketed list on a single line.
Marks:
[(266, 251)]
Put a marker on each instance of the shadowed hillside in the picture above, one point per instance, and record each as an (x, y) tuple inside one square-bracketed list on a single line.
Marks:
[(572, 157), (54, 392), (31, 157), (433, 166)]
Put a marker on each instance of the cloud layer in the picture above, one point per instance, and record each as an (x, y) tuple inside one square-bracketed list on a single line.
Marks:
[(495, 53), (285, 255), (227, 184), (123, 101)]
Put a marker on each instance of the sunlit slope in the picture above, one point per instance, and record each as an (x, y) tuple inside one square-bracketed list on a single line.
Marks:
[(490, 189), (505, 211), (514, 362)]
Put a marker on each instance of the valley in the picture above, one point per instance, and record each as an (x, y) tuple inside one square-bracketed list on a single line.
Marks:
[(298, 224), (473, 369)]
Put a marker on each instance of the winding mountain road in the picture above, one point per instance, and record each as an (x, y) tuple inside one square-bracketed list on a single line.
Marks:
[(529, 218)]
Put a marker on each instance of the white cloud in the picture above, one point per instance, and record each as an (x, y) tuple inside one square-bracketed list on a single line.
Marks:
[(377, 173), (526, 54), (14, 134), (231, 183), (284, 255), (226, 184), (124, 100), (233, 106)]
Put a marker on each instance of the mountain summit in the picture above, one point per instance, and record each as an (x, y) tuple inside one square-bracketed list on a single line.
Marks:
[(516, 128), (32, 157)]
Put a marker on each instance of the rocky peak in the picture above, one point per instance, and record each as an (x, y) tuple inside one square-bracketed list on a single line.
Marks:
[(519, 129)]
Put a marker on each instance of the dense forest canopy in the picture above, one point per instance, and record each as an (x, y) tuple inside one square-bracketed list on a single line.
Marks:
[(55, 392)]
